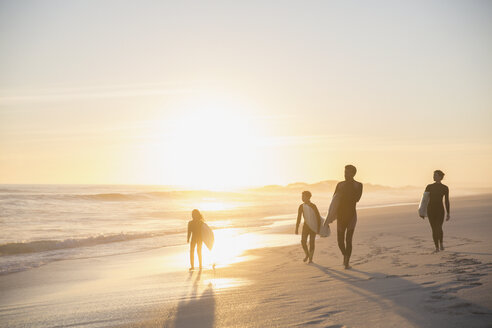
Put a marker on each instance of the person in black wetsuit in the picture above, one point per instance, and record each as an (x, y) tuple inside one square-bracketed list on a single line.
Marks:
[(349, 192), (435, 209), (306, 231), (195, 231)]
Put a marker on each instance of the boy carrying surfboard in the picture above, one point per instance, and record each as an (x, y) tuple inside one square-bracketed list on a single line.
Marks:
[(311, 226)]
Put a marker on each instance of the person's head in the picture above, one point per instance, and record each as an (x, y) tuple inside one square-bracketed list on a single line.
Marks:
[(196, 215), (306, 196), (350, 172), (438, 175)]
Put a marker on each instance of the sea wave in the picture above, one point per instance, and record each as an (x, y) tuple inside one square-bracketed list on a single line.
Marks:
[(8, 190), (132, 196), (108, 197), (111, 197), (50, 245)]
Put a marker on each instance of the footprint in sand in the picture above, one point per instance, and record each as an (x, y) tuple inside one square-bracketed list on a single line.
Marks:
[(428, 283), (328, 314), (312, 322), (316, 308), (459, 305)]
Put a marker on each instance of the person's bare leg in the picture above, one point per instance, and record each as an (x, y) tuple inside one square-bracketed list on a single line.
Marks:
[(441, 233), (304, 243), (199, 252), (348, 248), (435, 231), (192, 255), (312, 238), (341, 243)]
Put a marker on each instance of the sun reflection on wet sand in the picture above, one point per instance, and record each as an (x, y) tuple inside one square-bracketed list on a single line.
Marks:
[(224, 283), (231, 244)]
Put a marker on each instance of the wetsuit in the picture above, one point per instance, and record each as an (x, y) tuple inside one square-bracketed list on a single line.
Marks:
[(349, 193), (306, 231), (195, 230), (435, 209)]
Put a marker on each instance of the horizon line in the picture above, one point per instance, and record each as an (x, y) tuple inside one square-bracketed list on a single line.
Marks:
[(187, 188)]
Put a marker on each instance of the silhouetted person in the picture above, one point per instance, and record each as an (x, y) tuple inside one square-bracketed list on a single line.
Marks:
[(195, 231), (435, 209), (314, 216), (349, 192)]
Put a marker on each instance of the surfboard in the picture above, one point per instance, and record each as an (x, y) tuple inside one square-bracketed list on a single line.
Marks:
[(207, 236), (424, 202), (333, 210), (310, 217), (325, 230)]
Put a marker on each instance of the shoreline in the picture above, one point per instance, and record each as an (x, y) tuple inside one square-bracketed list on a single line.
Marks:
[(157, 240)]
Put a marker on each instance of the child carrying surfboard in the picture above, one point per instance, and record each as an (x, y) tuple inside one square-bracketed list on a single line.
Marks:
[(200, 233), (195, 231), (311, 226)]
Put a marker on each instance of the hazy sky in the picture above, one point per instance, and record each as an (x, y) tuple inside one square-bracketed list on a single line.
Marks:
[(217, 94)]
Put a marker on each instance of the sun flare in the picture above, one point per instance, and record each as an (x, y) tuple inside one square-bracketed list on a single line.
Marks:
[(207, 146), (207, 205)]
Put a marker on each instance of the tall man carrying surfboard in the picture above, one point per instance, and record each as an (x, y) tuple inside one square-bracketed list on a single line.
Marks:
[(311, 226), (349, 193)]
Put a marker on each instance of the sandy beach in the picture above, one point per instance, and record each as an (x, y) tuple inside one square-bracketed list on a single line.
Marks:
[(395, 281)]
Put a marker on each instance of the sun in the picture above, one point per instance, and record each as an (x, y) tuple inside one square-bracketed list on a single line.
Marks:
[(209, 145)]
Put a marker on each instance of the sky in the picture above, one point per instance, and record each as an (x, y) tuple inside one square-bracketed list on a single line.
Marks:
[(226, 94)]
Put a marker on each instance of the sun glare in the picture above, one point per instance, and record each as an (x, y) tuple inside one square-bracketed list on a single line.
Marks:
[(214, 206), (230, 245), (206, 146)]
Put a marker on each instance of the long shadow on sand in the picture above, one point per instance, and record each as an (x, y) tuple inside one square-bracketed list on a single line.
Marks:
[(409, 299), (196, 310)]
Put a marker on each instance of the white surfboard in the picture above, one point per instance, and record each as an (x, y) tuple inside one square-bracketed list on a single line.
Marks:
[(310, 217), (424, 202), (325, 230), (333, 210), (207, 236)]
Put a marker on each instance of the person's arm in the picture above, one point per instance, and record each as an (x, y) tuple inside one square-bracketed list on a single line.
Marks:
[(336, 188), (446, 202), (359, 194), (299, 214), (189, 233), (318, 216)]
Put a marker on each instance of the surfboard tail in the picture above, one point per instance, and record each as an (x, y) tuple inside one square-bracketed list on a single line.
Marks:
[(325, 229), (207, 236), (333, 210), (424, 202)]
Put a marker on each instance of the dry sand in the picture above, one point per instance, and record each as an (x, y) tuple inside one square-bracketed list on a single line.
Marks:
[(395, 282)]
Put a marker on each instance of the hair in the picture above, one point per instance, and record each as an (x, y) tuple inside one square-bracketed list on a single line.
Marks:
[(352, 169), (307, 193), (440, 173), (196, 215)]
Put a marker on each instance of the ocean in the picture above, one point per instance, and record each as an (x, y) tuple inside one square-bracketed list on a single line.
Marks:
[(45, 223)]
